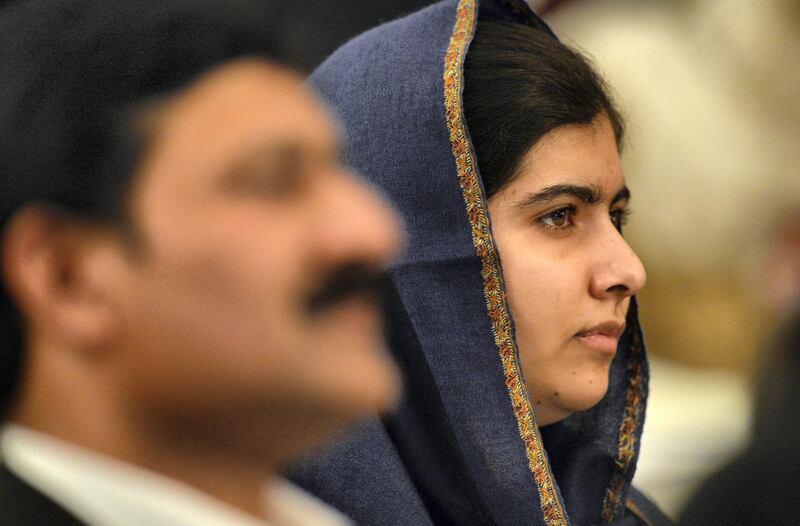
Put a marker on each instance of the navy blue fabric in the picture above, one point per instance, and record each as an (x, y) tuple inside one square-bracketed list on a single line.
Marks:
[(452, 452), (363, 476)]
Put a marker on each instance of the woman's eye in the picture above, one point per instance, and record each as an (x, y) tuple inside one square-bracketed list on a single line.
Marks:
[(620, 217), (561, 218)]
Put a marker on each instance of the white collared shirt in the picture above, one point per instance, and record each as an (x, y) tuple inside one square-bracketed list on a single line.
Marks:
[(103, 491)]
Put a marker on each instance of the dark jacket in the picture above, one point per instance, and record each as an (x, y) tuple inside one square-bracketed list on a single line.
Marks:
[(22, 505)]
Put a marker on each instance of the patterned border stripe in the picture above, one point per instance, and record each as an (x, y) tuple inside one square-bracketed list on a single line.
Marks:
[(631, 421), (549, 499)]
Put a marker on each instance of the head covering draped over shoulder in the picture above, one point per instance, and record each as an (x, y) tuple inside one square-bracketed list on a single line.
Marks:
[(463, 447)]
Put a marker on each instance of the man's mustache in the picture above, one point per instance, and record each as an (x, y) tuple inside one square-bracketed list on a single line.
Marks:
[(353, 280)]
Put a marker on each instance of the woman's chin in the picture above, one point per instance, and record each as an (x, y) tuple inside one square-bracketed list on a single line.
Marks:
[(572, 399), (584, 397)]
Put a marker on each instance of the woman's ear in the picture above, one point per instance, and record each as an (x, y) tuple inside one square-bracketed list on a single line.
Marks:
[(50, 264)]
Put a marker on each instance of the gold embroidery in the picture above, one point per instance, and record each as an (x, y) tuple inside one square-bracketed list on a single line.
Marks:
[(631, 421), (466, 18)]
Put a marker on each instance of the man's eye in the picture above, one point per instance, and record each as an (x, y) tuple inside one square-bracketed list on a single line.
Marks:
[(561, 218), (279, 185), (271, 184), (620, 217)]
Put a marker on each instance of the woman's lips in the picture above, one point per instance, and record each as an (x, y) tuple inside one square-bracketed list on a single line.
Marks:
[(603, 338)]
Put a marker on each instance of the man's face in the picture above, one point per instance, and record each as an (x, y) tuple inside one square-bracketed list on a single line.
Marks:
[(243, 213), (568, 271)]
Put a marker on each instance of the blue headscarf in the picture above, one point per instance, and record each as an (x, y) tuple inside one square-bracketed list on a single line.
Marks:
[(463, 447)]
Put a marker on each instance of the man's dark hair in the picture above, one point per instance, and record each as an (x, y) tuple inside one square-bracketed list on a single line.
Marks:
[(520, 83), (73, 74)]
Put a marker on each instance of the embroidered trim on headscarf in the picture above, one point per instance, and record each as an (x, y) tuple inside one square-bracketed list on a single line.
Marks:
[(550, 501), (631, 421)]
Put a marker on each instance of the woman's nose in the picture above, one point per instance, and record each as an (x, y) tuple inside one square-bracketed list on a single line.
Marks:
[(619, 271)]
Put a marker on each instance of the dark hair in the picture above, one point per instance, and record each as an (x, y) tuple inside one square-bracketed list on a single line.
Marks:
[(73, 73), (520, 83)]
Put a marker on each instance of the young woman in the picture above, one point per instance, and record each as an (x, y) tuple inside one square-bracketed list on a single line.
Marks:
[(512, 311)]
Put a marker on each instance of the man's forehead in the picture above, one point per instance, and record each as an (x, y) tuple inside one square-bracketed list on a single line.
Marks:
[(256, 98)]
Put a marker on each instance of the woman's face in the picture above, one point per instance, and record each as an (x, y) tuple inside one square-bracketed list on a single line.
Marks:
[(569, 273)]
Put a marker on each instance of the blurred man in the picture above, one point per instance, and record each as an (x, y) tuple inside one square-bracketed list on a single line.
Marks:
[(189, 276)]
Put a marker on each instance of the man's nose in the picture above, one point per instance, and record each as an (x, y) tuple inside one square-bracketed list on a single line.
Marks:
[(362, 225)]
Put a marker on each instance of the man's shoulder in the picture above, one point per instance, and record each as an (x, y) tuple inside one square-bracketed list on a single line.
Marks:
[(21, 504)]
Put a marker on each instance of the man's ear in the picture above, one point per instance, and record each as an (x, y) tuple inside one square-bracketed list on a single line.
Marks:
[(50, 267)]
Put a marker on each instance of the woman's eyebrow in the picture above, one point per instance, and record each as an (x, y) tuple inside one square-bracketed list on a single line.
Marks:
[(589, 194), (622, 195)]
